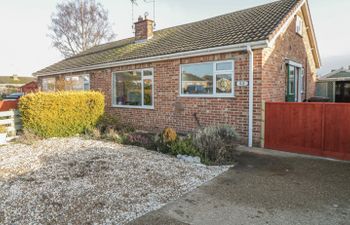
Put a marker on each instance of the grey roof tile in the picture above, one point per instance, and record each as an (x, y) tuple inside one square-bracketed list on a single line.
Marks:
[(254, 24)]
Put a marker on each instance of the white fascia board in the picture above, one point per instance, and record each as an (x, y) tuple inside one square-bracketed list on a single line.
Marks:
[(202, 52), (285, 25)]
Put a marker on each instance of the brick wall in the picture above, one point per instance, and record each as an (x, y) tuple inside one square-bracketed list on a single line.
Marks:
[(232, 111), (291, 46)]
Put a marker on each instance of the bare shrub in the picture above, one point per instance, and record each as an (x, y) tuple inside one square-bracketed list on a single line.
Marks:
[(217, 143)]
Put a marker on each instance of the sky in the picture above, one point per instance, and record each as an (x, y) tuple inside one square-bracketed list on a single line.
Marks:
[(26, 48)]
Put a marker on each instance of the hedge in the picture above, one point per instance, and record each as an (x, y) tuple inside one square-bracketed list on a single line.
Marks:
[(61, 114)]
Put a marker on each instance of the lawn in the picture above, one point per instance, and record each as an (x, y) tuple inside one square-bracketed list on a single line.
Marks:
[(78, 181)]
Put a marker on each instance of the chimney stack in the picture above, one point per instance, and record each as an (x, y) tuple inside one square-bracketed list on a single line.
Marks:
[(143, 29)]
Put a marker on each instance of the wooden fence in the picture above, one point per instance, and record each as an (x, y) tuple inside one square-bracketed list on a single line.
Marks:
[(321, 129), (12, 120)]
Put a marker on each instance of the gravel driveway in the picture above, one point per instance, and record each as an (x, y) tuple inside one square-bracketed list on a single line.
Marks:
[(77, 181)]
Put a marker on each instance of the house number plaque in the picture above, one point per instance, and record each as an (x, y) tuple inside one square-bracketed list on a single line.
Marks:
[(242, 83)]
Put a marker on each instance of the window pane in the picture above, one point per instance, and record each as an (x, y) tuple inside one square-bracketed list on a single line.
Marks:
[(147, 73), (224, 66), (224, 83), (74, 83), (197, 79), (128, 88), (49, 84), (86, 79), (147, 95)]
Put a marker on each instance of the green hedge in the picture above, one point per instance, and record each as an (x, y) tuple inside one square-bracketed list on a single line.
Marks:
[(61, 114)]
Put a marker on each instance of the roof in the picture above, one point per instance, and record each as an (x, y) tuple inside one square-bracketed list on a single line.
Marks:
[(336, 75), (341, 74), (245, 26), (15, 80)]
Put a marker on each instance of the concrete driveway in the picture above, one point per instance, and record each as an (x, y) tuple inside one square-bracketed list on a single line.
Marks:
[(266, 189)]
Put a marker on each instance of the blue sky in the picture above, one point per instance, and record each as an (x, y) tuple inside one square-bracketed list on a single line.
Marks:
[(25, 47)]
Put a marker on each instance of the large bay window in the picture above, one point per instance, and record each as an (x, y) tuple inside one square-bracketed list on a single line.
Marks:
[(77, 83), (48, 84), (210, 79), (133, 89)]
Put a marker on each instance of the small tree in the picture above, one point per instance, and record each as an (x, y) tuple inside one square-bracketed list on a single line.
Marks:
[(79, 25)]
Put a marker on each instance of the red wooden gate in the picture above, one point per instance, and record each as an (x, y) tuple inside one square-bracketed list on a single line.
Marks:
[(321, 129)]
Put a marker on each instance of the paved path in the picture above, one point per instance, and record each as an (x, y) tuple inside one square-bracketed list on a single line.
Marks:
[(265, 190)]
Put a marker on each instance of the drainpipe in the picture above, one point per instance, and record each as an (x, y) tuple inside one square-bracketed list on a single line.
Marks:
[(251, 96)]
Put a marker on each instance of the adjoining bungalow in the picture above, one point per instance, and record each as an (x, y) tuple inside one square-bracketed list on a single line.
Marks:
[(335, 85), (219, 70)]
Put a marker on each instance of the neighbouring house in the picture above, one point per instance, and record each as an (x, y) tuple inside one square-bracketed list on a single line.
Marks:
[(30, 87), (335, 85), (219, 70), (10, 84)]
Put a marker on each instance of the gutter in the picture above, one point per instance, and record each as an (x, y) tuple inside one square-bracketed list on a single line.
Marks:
[(251, 96), (333, 79), (202, 52)]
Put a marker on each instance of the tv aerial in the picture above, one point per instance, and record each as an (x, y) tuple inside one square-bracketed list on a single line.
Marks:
[(134, 3)]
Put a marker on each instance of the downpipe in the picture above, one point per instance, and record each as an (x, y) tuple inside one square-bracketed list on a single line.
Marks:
[(251, 96)]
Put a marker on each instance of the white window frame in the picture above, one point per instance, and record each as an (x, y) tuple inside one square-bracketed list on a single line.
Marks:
[(299, 26), (143, 106), (80, 75), (299, 82), (215, 73)]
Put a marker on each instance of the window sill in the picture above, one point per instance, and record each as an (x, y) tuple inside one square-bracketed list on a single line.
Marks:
[(133, 107), (207, 96)]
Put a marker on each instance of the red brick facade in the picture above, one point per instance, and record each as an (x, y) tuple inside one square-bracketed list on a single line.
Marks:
[(292, 46), (269, 85)]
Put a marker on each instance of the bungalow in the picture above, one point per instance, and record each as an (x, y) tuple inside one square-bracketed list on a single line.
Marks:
[(219, 70), (335, 85)]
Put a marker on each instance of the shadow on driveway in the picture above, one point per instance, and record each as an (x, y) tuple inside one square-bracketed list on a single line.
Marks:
[(265, 189)]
